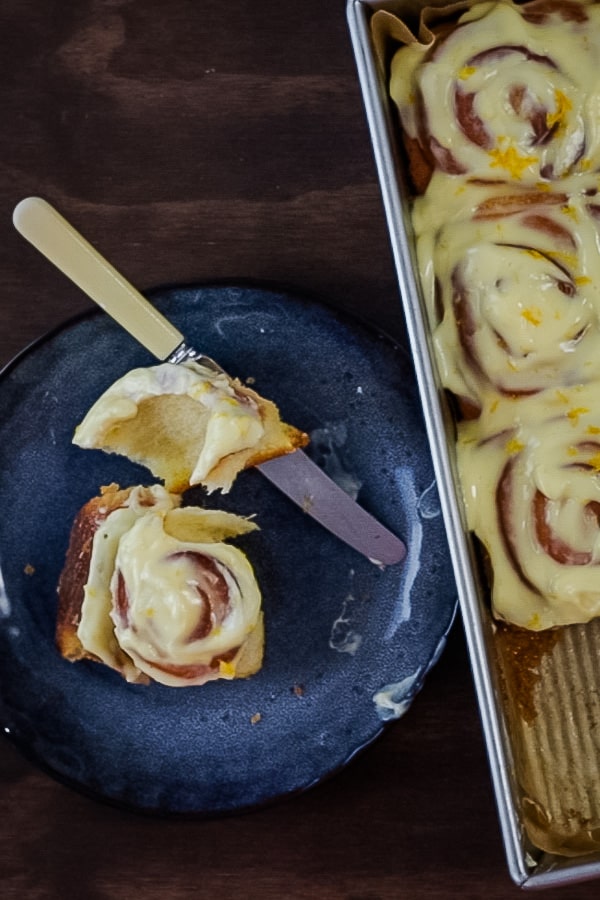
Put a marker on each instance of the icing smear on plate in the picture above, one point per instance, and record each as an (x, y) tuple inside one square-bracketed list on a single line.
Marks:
[(417, 508), (393, 700), (4, 601)]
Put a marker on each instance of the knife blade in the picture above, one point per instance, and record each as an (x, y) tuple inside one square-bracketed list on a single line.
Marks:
[(294, 474), (304, 482)]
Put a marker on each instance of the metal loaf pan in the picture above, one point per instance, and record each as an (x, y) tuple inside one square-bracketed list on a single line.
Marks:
[(556, 762)]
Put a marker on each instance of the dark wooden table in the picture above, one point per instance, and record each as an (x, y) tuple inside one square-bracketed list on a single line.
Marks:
[(198, 140)]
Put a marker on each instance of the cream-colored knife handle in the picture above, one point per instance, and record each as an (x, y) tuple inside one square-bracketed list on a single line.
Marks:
[(53, 236)]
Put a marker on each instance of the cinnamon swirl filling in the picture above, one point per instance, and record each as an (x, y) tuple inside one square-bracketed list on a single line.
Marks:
[(504, 93), (512, 287), (540, 522)]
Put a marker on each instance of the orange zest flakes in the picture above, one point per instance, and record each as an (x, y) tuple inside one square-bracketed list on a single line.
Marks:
[(582, 279), (532, 314), (514, 446), (594, 462), (576, 412), (530, 251), (593, 429), (510, 160), (563, 106), (570, 211), (572, 451), (226, 669), (466, 72), (567, 259)]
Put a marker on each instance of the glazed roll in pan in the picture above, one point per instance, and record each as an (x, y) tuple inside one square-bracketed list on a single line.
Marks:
[(508, 92), (500, 112)]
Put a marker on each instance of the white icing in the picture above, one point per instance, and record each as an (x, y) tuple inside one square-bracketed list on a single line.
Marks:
[(546, 73), (96, 630), (530, 280), (164, 603), (508, 246), (166, 594), (5, 608), (552, 448), (343, 637), (393, 700), (232, 423)]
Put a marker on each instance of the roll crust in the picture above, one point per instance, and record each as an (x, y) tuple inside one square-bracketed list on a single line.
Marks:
[(76, 568)]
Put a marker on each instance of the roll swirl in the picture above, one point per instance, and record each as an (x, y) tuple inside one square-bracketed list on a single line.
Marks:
[(530, 473), (509, 92), (512, 284), (182, 610)]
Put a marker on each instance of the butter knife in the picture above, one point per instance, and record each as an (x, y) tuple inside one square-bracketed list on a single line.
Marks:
[(294, 474)]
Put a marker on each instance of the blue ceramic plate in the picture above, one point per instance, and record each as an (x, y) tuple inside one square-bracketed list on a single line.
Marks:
[(347, 644)]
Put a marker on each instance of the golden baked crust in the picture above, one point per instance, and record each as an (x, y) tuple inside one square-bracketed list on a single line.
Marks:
[(76, 568)]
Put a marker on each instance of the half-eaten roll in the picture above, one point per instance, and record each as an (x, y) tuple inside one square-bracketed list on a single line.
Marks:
[(188, 425), (152, 589)]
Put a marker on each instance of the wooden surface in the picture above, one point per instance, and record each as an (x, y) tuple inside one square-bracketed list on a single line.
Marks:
[(197, 140)]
